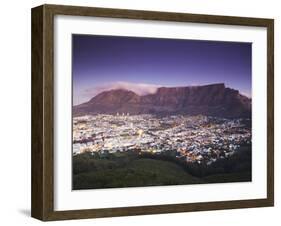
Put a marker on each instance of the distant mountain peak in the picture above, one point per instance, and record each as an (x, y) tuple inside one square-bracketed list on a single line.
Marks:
[(212, 99)]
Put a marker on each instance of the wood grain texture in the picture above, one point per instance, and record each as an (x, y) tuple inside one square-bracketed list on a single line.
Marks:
[(37, 157), (42, 113), (43, 107)]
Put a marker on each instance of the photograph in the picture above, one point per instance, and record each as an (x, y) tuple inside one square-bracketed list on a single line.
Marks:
[(141, 112), (157, 111)]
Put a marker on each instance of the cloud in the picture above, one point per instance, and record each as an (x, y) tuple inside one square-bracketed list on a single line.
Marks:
[(246, 93), (139, 88)]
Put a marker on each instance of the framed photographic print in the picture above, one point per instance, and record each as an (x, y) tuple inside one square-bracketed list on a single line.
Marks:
[(141, 112)]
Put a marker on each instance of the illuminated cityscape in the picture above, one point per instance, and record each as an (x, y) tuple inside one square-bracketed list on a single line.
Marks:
[(190, 138)]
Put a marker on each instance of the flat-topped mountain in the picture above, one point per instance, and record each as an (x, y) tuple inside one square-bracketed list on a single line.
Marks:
[(212, 100)]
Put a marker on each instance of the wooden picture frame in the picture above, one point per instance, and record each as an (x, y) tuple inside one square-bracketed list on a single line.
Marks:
[(43, 112)]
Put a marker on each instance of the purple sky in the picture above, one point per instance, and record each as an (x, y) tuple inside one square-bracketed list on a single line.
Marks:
[(104, 62)]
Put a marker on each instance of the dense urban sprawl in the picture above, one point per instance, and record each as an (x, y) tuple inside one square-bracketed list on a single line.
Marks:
[(192, 138)]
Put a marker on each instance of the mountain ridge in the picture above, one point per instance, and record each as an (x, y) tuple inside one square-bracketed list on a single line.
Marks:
[(212, 100)]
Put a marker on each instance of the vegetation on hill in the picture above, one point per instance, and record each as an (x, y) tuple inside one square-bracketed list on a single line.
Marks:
[(93, 170)]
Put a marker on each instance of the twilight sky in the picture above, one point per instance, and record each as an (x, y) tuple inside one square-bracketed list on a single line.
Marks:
[(142, 64)]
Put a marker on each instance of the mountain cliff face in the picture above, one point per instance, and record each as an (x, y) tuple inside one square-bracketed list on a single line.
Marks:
[(212, 100)]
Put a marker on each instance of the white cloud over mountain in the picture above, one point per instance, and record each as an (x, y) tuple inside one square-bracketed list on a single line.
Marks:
[(139, 88)]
